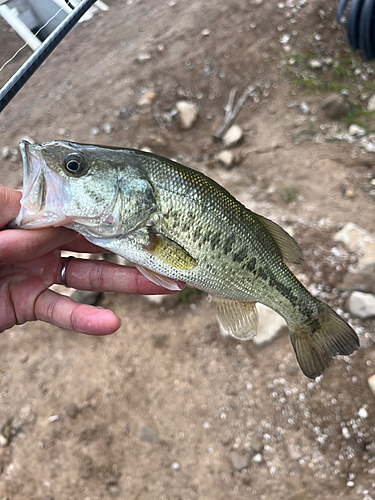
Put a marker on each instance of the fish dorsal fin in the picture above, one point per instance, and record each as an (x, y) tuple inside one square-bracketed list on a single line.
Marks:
[(158, 279), (169, 252), (239, 319), (288, 247)]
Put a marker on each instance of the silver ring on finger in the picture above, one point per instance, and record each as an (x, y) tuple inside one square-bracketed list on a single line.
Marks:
[(63, 271)]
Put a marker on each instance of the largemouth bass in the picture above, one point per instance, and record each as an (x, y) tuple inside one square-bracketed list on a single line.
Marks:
[(174, 223)]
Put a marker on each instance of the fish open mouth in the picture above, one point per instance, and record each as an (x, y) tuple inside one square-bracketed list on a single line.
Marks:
[(42, 192)]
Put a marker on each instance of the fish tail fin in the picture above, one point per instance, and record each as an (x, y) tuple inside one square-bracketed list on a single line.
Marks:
[(316, 344)]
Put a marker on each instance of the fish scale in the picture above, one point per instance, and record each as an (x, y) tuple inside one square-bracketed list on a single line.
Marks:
[(174, 223)]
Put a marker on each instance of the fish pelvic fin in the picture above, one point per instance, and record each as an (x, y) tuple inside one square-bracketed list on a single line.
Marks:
[(316, 344), (288, 247), (239, 319)]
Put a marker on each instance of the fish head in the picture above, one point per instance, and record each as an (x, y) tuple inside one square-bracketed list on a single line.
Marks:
[(66, 183)]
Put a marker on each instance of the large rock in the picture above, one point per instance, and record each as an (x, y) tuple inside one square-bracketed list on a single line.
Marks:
[(360, 241), (361, 305), (270, 325), (335, 106), (187, 114)]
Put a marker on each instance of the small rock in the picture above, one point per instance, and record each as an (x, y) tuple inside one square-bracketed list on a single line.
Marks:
[(107, 127), (349, 193), (94, 131), (304, 108), (206, 32), (371, 103), (356, 130), (358, 240), (239, 462), (363, 413), (6, 152), (371, 384), (187, 114), (315, 64), (335, 106), (144, 57), (361, 305), (258, 459), (270, 324), (370, 147), (114, 491), (53, 418), (72, 410), (146, 100), (176, 466), (226, 158), (232, 136), (149, 435), (4, 441)]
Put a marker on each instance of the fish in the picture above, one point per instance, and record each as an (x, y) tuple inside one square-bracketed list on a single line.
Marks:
[(175, 223)]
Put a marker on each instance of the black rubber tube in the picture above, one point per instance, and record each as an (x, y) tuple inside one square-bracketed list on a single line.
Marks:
[(18, 80)]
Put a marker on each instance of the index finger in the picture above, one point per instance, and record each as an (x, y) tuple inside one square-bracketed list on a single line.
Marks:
[(10, 204)]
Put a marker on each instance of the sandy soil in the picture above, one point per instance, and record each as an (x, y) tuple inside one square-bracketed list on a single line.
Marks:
[(166, 408)]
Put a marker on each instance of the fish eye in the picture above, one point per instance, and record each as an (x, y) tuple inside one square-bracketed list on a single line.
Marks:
[(75, 165)]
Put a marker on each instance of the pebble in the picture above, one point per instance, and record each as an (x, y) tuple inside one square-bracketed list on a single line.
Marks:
[(304, 108), (370, 147), (258, 459), (72, 410), (94, 131), (315, 64), (107, 128), (176, 466), (206, 32), (233, 136), (3, 441), (371, 103), (358, 240), (371, 384), (114, 491), (270, 324), (187, 114), (226, 158), (335, 106), (363, 413), (149, 435), (356, 130), (6, 152), (361, 305), (146, 100), (144, 57), (239, 462)]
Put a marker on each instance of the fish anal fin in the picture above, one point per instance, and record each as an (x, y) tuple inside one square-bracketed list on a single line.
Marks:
[(169, 252), (288, 247), (239, 319), (158, 279)]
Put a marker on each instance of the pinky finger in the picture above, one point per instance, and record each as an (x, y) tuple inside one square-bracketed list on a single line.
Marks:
[(63, 312)]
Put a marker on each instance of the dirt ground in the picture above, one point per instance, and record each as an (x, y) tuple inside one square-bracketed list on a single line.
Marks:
[(166, 408)]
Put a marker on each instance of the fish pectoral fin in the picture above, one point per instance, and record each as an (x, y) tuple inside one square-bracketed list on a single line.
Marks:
[(239, 319), (288, 247), (169, 252), (158, 279)]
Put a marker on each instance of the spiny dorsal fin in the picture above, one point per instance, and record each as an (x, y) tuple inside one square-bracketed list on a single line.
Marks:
[(239, 319), (288, 247)]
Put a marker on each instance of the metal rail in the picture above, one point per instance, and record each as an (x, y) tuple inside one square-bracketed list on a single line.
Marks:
[(18, 80)]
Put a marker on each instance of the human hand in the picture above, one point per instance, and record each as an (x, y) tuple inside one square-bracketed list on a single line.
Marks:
[(30, 262)]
